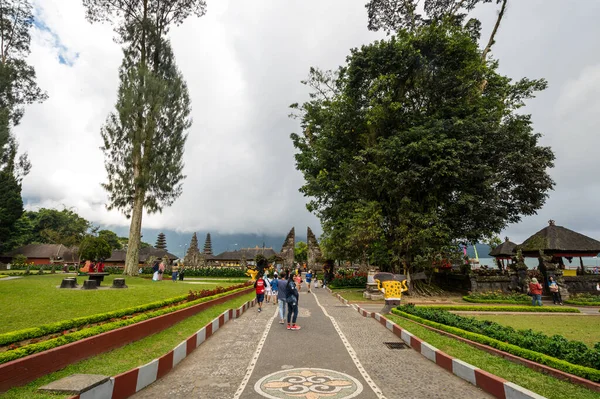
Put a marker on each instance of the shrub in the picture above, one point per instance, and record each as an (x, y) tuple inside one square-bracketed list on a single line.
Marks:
[(584, 299), (556, 346), (207, 272), (497, 297), (581, 371), (502, 308), (349, 281)]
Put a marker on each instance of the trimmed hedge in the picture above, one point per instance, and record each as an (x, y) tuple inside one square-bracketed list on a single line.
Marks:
[(581, 371), (52, 328), (348, 282), (470, 308), (205, 272), (582, 303), (509, 301), (557, 346), (89, 332)]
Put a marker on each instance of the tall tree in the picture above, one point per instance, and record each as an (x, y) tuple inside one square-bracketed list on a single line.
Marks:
[(111, 238), (52, 226), (405, 146), (94, 249), (145, 137), (17, 89), (208, 245), (300, 252), (161, 241)]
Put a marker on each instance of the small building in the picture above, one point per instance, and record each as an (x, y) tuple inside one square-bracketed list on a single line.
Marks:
[(237, 258), (43, 254), (119, 255), (504, 251)]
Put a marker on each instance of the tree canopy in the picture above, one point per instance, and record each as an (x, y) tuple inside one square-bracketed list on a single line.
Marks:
[(301, 252), (111, 238), (94, 249), (403, 150)]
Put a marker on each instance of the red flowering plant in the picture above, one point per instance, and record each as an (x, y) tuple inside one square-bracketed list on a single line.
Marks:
[(193, 295)]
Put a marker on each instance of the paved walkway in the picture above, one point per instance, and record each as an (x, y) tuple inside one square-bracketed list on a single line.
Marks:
[(337, 354)]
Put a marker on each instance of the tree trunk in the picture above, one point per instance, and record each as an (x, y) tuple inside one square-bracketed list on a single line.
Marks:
[(135, 231)]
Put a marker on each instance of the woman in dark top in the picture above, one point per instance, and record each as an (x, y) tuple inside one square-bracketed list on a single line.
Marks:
[(292, 300)]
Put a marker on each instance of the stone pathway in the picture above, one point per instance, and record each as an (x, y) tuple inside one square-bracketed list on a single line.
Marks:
[(337, 354), (10, 278)]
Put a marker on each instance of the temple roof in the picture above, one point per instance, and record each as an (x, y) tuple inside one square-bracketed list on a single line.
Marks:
[(507, 248), (555, 238)]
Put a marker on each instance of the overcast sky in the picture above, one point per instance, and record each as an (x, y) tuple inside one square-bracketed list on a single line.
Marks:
[(243, 62)]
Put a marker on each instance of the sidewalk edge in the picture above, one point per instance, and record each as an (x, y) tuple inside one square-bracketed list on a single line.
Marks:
[(132, 381)]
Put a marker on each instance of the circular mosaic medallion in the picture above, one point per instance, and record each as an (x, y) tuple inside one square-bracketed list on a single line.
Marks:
[(308, 383)]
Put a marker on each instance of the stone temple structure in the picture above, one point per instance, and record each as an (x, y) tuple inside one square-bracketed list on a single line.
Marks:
[(314, 256), (287, 250)]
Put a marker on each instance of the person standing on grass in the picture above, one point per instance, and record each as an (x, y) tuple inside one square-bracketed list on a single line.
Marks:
[(555, 290), (161, 270), (174, 272), (181, 272), (281, 296), (259, 285), (292, 297), (535, 289)]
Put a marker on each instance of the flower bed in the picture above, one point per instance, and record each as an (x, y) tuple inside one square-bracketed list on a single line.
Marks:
[(566, 355), (88, 332), (349, 281), (469, 308), (497, 297)]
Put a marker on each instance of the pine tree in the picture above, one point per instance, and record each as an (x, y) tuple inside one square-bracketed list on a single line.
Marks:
[(208, 245), (144, 138), (161, 241)]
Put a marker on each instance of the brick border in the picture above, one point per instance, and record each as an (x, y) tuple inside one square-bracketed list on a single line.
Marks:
[(132, 381), (494, 385), (26, 369)]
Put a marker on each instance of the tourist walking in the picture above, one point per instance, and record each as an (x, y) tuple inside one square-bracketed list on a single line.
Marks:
[(298, 280), (259, 285), (281, 296), (181, 273), (274, 288), (555, 290), (291, 294), (268, 288), (308, 279), (535, 290)]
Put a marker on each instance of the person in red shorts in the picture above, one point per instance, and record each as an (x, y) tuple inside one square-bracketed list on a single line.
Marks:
[(259, 284)]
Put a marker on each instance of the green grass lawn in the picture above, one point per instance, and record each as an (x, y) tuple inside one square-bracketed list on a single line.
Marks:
[(353, 294), (34, 300), (542, 384), (581, 328), (132, 355)]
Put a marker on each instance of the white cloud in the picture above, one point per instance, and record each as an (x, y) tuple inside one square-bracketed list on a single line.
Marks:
[(243, 62)]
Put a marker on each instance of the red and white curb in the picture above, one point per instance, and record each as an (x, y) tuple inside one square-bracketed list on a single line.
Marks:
[(494, 385), (128, 383)]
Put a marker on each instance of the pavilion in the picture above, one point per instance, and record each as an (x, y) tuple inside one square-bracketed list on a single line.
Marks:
[(504, 251), (560, 242)]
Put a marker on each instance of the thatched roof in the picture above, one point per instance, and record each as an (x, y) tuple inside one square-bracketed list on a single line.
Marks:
[(506, 249), (119, 255), (43, 251), (555, 238)]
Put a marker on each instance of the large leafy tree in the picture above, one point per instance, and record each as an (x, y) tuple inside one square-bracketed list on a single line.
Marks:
[(144, 138), (94, 249), (51, 226), (111, 238), (404, 150)]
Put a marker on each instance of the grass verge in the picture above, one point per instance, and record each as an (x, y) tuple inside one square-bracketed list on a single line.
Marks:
[(540, 383), (41, 302), (468, 308), (581, 328), (353, 294), (508, 301), (132, 355)]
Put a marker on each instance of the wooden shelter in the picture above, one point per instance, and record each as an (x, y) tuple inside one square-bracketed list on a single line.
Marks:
[(504, 251), (560, 242)]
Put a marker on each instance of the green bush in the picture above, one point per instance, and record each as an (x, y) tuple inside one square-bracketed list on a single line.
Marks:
[(498, 297), (555, 346), (89, 332), (207, 272), (469, 308), (581, 371), (349, 281), (584, 299)]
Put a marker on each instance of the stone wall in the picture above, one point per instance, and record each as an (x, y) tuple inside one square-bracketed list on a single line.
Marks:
[(314, 251), (452, 282), (287, 250), (581, 284), (493, 283)]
